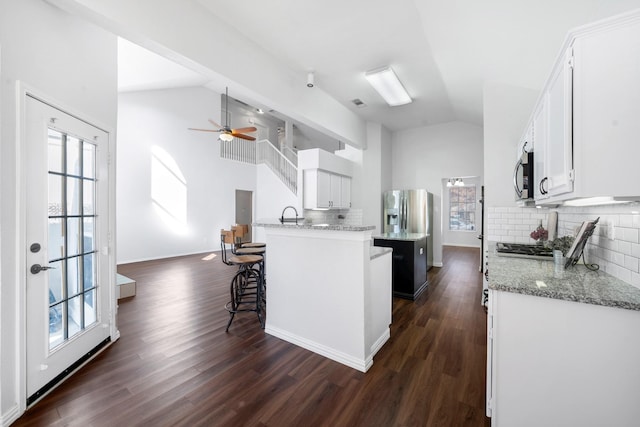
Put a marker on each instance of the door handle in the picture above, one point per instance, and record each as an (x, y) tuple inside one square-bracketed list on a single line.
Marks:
[(37, 268)]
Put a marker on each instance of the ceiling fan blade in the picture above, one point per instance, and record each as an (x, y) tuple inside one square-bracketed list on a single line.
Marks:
[(206, 130), (243, 136), (244, 130), (215, 124)]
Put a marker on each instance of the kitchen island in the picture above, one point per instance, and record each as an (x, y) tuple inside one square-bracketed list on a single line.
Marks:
[(563, 345), (328, 290), (410, 262)]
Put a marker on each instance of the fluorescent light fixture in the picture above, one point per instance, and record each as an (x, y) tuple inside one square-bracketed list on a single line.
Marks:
[(226, 137), (387, 84)]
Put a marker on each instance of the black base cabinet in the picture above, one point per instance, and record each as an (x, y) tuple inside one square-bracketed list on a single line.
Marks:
[(409, 264)]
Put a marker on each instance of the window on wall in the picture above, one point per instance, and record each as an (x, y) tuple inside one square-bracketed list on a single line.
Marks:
[(462, 208)]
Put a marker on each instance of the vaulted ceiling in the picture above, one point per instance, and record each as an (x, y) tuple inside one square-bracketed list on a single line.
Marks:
[(444, 51)]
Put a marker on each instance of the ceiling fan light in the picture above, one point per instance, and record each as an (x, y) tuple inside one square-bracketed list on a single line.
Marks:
[(385, 81), (225, 137)]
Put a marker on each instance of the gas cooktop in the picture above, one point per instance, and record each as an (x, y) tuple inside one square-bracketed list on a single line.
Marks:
[(522, 250)]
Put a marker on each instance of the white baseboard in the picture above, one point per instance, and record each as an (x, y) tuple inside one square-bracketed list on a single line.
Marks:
[(10, 416), (361, 365), (379, 343)]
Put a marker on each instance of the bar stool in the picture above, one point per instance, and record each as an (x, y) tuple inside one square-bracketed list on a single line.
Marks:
[(249, 248), (242, 230), (247, 284)]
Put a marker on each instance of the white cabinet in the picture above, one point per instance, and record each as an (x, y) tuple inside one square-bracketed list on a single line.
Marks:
[(326, 190), (560, 363), (552, 123), (559, 149), (606, 111), (540, 135), (345, 192), (586, 120)]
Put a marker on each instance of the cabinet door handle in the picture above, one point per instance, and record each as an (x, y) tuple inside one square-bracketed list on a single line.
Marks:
[(541, 186)]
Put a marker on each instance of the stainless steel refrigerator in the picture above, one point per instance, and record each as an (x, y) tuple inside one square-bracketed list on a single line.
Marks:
[(409, 212)]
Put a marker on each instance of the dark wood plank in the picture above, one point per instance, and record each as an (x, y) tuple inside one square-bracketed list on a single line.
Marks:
[(175, 365)]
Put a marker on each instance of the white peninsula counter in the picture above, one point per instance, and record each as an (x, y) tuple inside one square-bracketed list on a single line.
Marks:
[(328, 290)]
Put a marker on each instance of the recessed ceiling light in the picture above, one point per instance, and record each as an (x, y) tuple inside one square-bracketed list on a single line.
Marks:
[(385, 81)]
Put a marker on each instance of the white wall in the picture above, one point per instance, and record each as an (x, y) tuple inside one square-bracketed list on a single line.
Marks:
[(149, 121), (270, 198), (506, 112), (421, 157), (74, 63), (378, 138)]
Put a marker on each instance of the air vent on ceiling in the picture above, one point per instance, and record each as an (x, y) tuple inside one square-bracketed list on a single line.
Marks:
[(358, 103)]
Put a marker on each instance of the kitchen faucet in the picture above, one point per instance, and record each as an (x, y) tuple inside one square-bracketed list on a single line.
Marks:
[(282, 220)]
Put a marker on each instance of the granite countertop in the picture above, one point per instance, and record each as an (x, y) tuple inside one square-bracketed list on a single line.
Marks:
[(401, 236), (378, 251), (302, 226), (543, 278)]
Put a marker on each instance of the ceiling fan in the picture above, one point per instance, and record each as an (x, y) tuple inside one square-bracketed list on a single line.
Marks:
[(226, 132)]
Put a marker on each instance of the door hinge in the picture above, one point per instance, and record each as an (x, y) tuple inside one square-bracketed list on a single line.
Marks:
[(572, 175), (570, 58)]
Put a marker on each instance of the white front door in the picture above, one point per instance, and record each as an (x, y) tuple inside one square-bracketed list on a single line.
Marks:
[(67, 288)]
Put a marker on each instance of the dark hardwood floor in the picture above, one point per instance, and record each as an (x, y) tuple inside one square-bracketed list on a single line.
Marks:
[(175, 365)]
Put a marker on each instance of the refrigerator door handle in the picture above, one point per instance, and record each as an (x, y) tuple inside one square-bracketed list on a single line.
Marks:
[(405, 213), (401, 213)]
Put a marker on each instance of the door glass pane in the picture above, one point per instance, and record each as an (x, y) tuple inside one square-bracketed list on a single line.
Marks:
[(74, 315), (73, 236), (88, 200), (55, 282), (73, 276), (89, 277), (88, 161), (90, 308), (89, 245), (74, 187), (74, 163), (55, 195), (55, 151), (56, 327), (56, 238)]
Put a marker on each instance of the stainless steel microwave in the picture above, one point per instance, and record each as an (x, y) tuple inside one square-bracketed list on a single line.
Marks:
[(523, 176)]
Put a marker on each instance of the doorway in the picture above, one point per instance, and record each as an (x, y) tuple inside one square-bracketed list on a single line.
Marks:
[(68, 287), (244, 210)]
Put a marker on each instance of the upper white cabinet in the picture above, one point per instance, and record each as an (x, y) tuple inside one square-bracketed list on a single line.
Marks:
[(540, 135), (325, 190), (586, 121), (326, 179), (559, 150)]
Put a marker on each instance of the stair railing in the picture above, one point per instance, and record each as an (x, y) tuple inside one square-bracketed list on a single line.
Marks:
[(238, 149), (284, 168)]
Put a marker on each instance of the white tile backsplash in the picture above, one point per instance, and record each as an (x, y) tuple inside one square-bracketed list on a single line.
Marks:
[(341, 216), (614, 246), (514, 224)]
